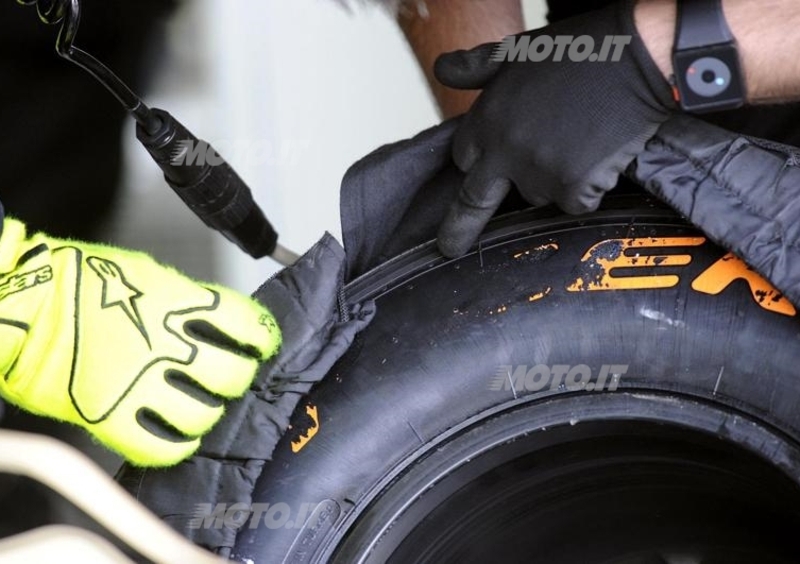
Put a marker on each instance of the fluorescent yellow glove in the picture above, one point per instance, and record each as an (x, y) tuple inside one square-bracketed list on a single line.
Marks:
[(133, 351)]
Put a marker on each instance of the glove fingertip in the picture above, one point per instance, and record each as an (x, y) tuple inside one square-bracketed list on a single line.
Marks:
[(453, 249), (257, 328), (263, 338), (270, 342), (480, 197), (467, 70), (458, 234)]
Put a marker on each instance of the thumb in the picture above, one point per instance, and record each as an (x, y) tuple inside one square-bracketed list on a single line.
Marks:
[(467, 70)]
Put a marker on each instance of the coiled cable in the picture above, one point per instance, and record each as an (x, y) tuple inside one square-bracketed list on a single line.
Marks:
[(67, 13)]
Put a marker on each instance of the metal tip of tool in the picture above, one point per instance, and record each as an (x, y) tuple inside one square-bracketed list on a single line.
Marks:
[(284, 256)]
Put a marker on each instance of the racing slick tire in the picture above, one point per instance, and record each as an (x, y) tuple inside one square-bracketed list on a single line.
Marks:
[(610, 388)]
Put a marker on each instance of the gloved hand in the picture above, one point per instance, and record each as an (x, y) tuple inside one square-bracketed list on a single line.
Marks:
[(560, 131), (136, 353)]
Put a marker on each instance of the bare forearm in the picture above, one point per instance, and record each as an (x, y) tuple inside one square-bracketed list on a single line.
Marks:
[(449, 25), (767, 34)]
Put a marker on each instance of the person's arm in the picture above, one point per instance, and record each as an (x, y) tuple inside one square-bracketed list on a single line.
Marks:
[(563, 129), (766, 33), (447, 25)]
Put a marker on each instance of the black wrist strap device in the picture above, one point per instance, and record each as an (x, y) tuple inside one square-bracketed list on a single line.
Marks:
[(705, 59)]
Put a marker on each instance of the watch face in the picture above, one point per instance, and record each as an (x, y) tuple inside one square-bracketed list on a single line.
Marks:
[(709, 78)]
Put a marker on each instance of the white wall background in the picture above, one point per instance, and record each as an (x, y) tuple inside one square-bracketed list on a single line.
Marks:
[(292, 92)]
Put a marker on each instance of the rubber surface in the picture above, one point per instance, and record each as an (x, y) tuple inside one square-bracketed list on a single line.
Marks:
[(696, 339)]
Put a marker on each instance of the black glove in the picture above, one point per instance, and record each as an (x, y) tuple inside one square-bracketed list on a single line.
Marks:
[(560, 131)]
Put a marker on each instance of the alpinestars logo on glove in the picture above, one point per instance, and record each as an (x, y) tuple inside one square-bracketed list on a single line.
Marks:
[(117, 291), (25, 281)]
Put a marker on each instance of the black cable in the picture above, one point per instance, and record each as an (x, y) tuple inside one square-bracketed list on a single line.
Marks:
[(68, 14), (210, 187)]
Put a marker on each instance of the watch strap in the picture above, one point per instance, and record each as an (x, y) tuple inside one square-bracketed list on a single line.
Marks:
[(701, 23)]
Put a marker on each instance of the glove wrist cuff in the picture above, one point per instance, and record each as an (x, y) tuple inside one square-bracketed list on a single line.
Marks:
[(11, 241)]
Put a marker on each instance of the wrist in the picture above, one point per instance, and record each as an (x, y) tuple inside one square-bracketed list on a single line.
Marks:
[(655, 22), (765, 34)]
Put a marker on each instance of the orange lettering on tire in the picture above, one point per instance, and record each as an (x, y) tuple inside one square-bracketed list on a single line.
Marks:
[(729, 268), (647, 255)]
